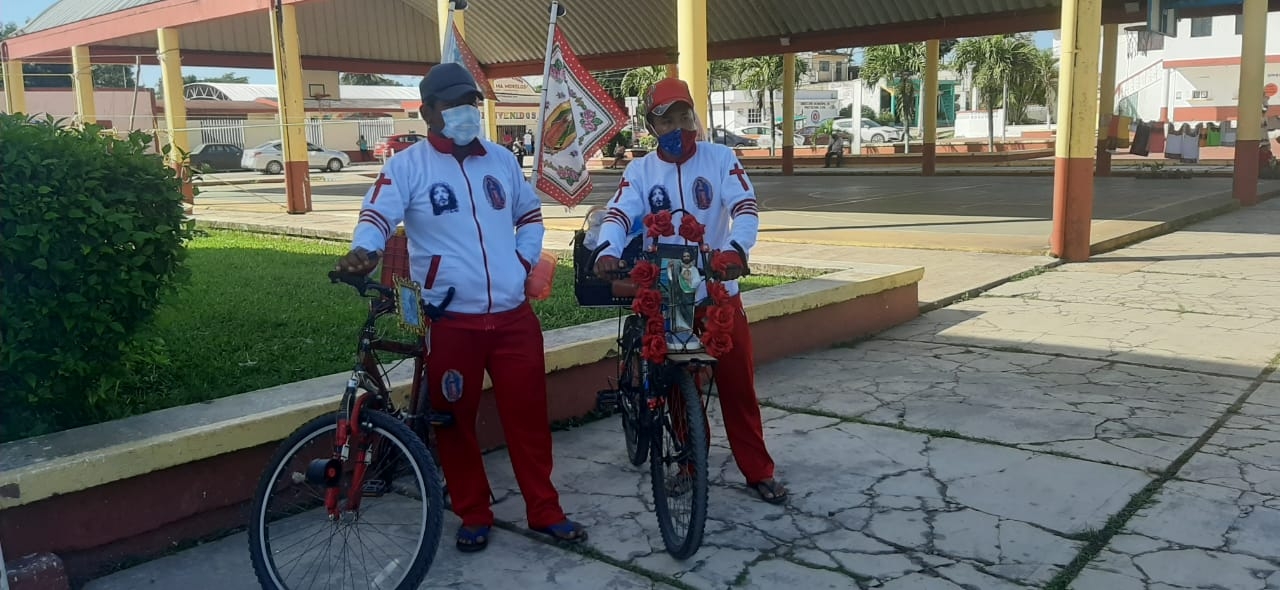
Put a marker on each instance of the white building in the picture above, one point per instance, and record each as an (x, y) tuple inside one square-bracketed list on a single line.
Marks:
[(735, 109), (1193, 77)]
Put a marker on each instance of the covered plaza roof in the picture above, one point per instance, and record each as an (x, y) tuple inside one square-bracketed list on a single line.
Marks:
[(400, 37)]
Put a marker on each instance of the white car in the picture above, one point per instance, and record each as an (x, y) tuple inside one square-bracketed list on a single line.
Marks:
[(764, 138), (871, 131), (268, 159)]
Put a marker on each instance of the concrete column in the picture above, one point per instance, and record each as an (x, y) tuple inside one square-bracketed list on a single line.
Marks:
[(293, 117), (82, 79), (460, 21), (175, 104), (1244, 183), (673, 71), (691, 19), (1107, 98), (1077, 121), (929, 108), (788, 113), (15, 95)]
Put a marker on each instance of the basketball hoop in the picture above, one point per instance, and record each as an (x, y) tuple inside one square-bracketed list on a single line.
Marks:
[(1140, 40)]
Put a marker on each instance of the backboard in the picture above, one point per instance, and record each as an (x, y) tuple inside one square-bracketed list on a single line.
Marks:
[(1162, 18)]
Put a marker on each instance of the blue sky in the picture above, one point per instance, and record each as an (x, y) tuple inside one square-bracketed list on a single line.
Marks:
[(21, 11)]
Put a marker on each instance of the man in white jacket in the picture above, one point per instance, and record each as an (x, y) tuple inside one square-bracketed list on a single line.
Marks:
[(706, 180), (473, 223)]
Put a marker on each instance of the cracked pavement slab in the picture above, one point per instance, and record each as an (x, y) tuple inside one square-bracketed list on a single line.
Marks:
[(1098, 410), (1193, 535), (870, 507), (1230, 345), (1245, 453), (224, 565)]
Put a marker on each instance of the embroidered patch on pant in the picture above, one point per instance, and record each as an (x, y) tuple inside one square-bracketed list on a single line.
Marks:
[(451, 385)]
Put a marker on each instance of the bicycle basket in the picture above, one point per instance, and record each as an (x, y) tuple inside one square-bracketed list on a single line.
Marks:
[(591, 290)]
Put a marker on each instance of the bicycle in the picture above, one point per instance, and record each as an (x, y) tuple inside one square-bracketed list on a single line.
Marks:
[(663, 405), (366, 452)]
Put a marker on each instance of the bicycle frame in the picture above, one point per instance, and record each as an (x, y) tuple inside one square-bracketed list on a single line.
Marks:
[(367, 375)]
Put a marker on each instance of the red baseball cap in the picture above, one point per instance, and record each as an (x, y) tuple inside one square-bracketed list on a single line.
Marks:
[(665, 93)]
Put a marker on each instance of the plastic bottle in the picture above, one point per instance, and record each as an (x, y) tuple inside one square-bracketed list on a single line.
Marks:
[(538, 286)]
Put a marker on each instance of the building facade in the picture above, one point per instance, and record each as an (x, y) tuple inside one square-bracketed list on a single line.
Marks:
[(1193, 77)]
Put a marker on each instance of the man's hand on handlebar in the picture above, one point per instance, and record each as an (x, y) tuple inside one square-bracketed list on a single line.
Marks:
[(357, 262), (610, 267)]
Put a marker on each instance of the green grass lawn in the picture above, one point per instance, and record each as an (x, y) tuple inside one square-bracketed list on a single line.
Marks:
[(260, 311)]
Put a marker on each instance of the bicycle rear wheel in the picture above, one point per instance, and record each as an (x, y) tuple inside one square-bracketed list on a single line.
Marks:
[(388, 543), (635, 412), (678, 468)]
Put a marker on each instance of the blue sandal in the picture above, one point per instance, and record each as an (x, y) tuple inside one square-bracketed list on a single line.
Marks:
[(565, 531), (472, 539)]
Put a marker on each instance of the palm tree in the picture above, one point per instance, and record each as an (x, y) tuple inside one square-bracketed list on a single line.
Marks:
[(895, 66), (723, 76), (637, 81), (764, 74), (998, 62)]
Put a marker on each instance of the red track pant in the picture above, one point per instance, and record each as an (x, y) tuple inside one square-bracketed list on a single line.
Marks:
[(735, 381), (509, 346)]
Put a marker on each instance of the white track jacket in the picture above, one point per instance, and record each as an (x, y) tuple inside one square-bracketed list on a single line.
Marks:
[(711, 185), (474, 225)]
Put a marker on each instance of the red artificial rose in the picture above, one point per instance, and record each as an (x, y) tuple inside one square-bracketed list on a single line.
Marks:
[(717, 343), (727, 263), (648, 303), (659, 224), (718, 292), (656, 325), (644, 273), (691, 230), (654, 348), (720, 318)]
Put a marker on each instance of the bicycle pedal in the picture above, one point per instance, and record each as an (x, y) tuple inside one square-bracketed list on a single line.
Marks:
[(440, 419), (374, 488), (607, 400)]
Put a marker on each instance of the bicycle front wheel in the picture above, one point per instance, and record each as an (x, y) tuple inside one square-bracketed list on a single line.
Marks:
[(389, 542), (678, 468)]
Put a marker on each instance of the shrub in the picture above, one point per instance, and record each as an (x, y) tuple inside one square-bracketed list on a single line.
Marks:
[(92, 236)]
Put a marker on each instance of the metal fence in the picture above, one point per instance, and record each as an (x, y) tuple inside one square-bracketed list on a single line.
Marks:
[(221, 131)]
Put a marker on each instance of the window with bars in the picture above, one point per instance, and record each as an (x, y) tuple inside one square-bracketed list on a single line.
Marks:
[(754, 116)]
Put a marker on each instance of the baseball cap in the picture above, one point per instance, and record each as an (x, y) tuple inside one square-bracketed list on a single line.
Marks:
[(665, 93), (449, 82)]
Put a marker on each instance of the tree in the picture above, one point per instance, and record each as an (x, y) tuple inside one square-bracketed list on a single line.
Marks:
[(896, 66), (638, 80), (368, 80), (110, 76), (764, 74), (998, 62)]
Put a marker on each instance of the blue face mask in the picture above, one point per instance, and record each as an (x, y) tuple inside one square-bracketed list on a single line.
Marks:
[(461, 123), (672, 142)]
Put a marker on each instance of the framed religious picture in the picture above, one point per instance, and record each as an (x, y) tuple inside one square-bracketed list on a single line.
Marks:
[(409, 306)]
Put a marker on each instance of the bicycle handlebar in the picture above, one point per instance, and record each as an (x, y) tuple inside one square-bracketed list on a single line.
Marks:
[(746, 268), (363, 284)]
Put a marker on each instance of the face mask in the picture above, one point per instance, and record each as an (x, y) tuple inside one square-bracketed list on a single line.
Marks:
[(461, 123), (675, 141)]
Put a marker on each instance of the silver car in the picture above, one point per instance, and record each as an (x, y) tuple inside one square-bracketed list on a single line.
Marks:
[(268, 159)]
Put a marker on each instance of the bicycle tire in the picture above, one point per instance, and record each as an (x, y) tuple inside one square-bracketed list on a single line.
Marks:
[(635, 411), (394, 431), (696, 447)]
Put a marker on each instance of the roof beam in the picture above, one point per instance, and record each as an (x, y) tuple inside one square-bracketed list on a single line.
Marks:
[(113, 54)]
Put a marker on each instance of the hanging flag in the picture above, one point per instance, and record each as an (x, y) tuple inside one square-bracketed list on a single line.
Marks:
[(577, 117), (456, 51)]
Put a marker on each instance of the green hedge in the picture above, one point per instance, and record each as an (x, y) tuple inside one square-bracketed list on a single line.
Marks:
[(92, 237)]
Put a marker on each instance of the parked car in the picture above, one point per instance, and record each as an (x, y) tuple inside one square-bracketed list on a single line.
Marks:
[(871, 131), (216, 157), (268, 159), (390, 145), (731, 139), (764, 137)]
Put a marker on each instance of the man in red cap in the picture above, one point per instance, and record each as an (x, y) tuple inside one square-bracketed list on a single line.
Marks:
[(706, 180), (474, 224)]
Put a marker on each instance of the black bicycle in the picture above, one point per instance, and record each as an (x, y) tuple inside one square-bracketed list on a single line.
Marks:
[(663, 405), (354, 497)]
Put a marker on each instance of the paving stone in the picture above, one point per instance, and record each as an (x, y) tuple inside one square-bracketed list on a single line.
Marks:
[(1193, 535), (1104, 411), (1182, 293), (1232, 345), (870, 505), (1242, 455)]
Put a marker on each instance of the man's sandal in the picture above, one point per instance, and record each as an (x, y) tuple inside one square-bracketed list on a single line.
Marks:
[(565, 531), (770, 491), (472, 539)]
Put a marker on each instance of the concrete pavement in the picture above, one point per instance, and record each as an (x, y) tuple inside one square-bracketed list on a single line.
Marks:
[(1101, 426)]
